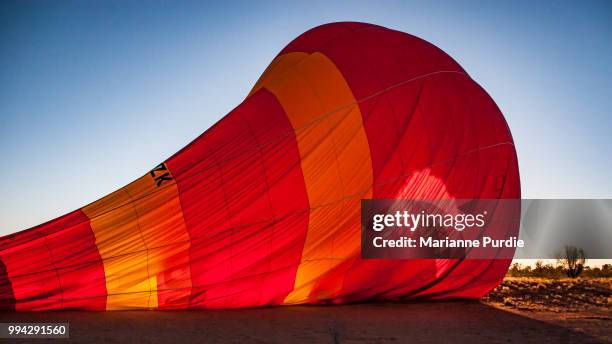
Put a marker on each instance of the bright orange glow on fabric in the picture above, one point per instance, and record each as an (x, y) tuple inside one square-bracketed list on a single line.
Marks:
[(335, 161), (142, 240)]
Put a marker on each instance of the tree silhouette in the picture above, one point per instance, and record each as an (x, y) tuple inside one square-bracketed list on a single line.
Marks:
[(573, 261)]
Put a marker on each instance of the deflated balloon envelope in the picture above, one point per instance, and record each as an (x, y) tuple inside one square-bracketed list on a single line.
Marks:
[(263, 208)]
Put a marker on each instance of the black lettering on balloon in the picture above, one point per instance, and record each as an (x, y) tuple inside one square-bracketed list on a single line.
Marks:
[(160, 174)]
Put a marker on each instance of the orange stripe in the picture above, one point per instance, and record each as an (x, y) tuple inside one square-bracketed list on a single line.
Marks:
[(144, 245), (335, 160)]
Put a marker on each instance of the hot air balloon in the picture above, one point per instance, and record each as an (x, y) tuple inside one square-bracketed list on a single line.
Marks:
[(264, 207)]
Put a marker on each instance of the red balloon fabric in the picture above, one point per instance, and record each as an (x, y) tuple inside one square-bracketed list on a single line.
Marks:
[(264, 207)]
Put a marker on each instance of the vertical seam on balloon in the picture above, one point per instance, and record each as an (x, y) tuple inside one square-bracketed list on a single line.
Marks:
[(363, 114), (274, 216), (59, 282), (188, 249), (331, 138), (329, 134), (456, 264), (227, 208), (391, 105), (144, 242), (373, 180), (461, 260), (100, 261)]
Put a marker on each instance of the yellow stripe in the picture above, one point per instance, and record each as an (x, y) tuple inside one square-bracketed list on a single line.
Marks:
[(144, 244), (335, 160)]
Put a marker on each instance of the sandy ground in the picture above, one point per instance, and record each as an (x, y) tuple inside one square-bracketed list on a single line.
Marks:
[(426, 322), (583, 305)]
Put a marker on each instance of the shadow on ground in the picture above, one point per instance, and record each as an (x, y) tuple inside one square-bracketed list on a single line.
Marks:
[(456, 321)]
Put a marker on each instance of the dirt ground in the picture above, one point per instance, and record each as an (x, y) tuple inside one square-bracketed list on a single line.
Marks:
[(520, 310), (583, 304), (420, 322)]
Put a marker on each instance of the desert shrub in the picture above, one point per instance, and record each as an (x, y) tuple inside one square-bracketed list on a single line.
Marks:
[(573, 260)]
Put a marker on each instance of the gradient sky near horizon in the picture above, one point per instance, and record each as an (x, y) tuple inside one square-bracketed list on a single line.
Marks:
[(94, 94)]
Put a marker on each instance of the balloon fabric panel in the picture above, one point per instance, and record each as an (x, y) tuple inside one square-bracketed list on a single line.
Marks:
[(263, 208)]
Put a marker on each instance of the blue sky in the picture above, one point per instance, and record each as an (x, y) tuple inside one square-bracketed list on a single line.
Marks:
[(94, 94)]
